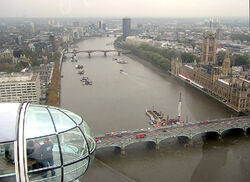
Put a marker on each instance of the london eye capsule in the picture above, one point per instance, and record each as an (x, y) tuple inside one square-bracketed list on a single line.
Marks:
[(43, 143)]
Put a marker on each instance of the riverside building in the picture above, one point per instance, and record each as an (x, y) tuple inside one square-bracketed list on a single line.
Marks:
[(45, 73), (20, 87), (215, 77)]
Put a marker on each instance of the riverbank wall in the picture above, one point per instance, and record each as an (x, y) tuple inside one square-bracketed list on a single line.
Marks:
[(60, 76)]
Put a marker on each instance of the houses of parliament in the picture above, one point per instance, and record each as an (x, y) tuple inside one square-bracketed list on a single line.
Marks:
[(215, 77)]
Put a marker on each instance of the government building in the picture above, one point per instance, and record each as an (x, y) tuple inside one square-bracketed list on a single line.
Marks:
[(215, 77), (20, 87)]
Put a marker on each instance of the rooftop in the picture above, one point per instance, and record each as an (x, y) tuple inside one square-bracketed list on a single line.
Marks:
[(223, 81), (189, 66), (18, 77)]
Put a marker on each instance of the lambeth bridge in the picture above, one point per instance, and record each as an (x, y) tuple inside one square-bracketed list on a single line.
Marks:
[(89, 52), (188, 131)]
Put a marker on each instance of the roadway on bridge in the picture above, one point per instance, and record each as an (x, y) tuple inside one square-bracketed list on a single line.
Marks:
[(219, 126)]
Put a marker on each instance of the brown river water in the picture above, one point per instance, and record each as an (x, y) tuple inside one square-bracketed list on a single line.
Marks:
[(117, 102)]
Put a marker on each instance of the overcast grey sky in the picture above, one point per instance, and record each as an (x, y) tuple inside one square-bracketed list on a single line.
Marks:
[(120, 8)]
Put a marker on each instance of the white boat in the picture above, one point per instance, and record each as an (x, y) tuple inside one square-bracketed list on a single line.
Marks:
[(123, 72), (75, 58), (81, 72), (79, 66), (122, 62)]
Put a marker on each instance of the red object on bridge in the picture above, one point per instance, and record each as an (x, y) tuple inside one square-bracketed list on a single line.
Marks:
[(205, 121), (140, 135)]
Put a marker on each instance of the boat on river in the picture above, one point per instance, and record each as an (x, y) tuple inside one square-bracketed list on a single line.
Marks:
[(83, 78), (79, 66), (73, 59), (87, 82), (123, 72), (122, 62), (155, 117), (81, 72)]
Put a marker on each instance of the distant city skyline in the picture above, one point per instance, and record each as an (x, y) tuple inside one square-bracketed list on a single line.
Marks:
[(121, 8)]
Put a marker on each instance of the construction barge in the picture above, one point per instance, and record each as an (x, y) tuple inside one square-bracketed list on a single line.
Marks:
[(157, 118)]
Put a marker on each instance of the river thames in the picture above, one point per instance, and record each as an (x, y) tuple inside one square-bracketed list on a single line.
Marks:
[(117, 102)]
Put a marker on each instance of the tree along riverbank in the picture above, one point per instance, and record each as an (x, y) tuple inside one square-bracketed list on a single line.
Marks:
[(54, 87), (162, 57), (158, 56)]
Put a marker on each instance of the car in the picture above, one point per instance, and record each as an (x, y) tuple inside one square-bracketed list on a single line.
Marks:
[(119, 135), (205, 121), (97, 141)]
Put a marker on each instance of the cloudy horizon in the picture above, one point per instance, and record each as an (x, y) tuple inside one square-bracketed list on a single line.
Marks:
[(120, 8)]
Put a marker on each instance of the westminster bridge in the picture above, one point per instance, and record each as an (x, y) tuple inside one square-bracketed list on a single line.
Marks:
[(189, 131)]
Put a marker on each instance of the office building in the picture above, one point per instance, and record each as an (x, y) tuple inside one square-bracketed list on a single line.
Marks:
[(126, 28), (45, 72), (219, 34), (100, 24), (20, 87), (52, 42)]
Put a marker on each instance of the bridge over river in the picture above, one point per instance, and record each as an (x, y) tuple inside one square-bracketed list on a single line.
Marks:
[(89, 52), (188, 131)]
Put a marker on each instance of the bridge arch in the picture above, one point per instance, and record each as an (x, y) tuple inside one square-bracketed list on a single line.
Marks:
[(139, 141), (108, 150), (201, 133), (248, 130), (165, 138), (202, 136), (110, 146), (173, 139), (183, 138), (240, 129)]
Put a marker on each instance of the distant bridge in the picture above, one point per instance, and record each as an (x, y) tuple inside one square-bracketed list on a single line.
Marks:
[(156, 135), (89, 52)]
